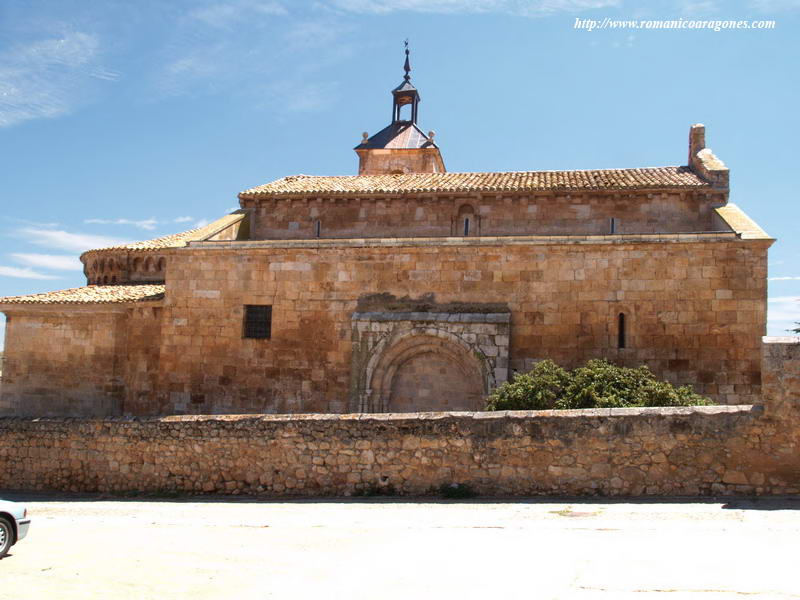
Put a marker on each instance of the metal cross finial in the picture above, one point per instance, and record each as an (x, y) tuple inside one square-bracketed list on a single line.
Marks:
[(407, 66)]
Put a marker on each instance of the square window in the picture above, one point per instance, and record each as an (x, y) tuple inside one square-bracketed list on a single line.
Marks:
[(257, 321)]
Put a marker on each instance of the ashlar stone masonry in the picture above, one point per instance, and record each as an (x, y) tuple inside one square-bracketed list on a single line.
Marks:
[(405, 288)]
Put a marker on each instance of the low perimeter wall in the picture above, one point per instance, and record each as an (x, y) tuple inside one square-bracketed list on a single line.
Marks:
[(680, 451)]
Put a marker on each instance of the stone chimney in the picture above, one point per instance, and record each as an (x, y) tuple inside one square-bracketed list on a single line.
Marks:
[(702, 160)]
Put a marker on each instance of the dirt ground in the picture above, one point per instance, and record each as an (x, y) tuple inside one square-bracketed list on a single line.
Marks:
[(88, 547)]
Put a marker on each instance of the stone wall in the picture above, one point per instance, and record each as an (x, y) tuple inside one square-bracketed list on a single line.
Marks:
[(385, 161), (656, 451), (695, 312), (140, 360), (124, 266), (539, 214), (65, 363)]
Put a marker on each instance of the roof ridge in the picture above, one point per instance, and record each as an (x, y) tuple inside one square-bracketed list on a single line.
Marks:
[(174, 240), (93, 294), (627, 178), (446, 173)]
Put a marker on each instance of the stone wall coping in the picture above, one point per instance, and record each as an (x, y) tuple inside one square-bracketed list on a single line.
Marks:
[(535, 240), (450, 317), (781, 339), (483, 416)]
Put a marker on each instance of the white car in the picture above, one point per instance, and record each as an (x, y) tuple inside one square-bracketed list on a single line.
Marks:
[(14, 523)]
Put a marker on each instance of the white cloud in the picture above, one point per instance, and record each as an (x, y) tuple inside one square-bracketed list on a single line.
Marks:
[(201, 223), (187, 72), (783, 313), (223, 14), (50, 261), (25, 273), (310, 34), (784, 279), (65, 240), (528, 8), (626, 43), (783, 299), (250, 64), (302, 96), (772, 6), (49, 77), (148, 224), (689, 8)]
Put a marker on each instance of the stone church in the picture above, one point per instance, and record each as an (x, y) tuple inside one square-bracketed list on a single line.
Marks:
[(405, 288)]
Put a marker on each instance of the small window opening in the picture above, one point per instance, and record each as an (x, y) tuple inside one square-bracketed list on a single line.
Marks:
[(621, 330), (318, 228), (466, 226), (613, 225), (257, 321)]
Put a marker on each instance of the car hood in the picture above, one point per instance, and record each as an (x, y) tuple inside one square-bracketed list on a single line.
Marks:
[(15, 509)]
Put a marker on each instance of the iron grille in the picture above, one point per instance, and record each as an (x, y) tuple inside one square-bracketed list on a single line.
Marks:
[(257, 321)]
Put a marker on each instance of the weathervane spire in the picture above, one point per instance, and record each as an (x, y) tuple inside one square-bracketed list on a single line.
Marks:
[(407, 66)]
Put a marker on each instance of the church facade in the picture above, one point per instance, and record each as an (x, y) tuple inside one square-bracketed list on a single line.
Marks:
[(405, 288)]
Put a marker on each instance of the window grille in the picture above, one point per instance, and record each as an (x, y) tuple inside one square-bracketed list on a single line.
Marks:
[(257, 321)]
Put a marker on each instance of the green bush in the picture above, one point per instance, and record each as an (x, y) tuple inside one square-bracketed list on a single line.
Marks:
[(598, 384)]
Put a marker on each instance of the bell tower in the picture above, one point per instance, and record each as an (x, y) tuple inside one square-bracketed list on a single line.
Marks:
[(405, 94), (401, 147)]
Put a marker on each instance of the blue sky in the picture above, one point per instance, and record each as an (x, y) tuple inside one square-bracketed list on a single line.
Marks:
[(128, 120)]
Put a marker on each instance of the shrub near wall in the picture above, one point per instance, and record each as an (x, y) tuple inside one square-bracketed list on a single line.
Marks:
[(598, 384)]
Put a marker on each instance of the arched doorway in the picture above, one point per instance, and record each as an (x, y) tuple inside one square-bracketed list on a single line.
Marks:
[(427, 371), (433, 381)]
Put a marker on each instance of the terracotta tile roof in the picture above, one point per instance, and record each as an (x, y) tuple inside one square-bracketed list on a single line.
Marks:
[(92, 294), (175, 240), (518, 181), (178, 240)]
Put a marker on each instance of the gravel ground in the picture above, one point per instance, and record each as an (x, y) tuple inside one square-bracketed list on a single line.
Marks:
[(92, 547)]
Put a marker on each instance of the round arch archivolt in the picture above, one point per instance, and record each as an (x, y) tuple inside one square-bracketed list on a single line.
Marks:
[(399, 349)]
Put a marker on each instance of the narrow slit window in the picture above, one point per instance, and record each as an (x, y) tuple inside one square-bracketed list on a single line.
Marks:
[(318, 228), (466, 226), (621, 330), (613, 225), (257, 321)]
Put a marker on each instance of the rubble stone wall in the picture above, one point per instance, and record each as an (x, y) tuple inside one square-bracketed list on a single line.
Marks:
[(653, 451)]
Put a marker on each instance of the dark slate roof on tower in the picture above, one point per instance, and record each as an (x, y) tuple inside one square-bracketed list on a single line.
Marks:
[(400, 134), (406, 86)]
